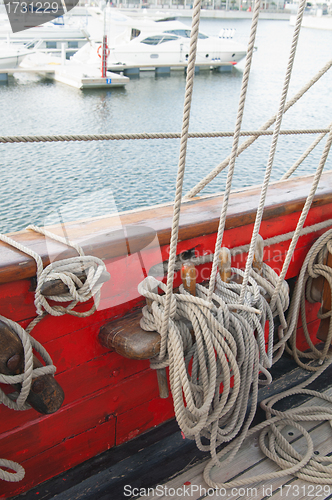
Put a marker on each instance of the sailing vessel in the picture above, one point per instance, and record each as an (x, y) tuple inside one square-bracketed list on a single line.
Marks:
[(104, 423)]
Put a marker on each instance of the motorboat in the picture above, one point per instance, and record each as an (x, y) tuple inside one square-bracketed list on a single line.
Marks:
[(52, 34), (171, 47), (168, 48), (165, 41), (12, 55)]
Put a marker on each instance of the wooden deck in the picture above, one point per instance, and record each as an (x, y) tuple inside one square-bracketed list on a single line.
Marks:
[(250, 461)]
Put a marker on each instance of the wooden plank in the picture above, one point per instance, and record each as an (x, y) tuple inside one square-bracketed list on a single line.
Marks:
[(65, 455), (143, 417), (113, 399), (248, 462), (199, 216), (84, 381)]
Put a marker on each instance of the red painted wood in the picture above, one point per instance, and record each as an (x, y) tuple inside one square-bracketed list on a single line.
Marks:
[(62, 457), (98, 383), (142, 418), (103, 373), (301, 342), (115, 398)]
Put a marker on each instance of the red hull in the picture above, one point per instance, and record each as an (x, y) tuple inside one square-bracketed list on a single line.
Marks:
[(110, 399)]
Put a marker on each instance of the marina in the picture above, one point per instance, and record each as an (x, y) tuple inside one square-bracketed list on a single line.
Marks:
[(157, 346)]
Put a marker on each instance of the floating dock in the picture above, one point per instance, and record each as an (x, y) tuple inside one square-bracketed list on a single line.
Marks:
[(80, 76)]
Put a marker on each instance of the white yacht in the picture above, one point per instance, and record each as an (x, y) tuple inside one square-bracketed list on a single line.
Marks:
[(11, 55), (52, 34), (146, 43)]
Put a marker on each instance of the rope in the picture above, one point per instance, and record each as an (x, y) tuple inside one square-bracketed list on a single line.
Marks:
[(78, 292), (268, 171), (229, 349), (181, 169), (307, 466), (195, 190), (312, 268), (146, 136), (10, 476), (272, 443), (304, 155), (234, 153)]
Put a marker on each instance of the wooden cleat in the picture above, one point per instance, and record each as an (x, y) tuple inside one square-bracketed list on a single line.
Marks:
[(225, 265), (126, 337), (257, 263), (46, 395), (58, 287), (188, 276)]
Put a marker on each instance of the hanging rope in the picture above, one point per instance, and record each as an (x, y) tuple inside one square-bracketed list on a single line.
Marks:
[(234, 153), (195, 190), (312, 268), (274, 445), (229, 349), (181, 169)]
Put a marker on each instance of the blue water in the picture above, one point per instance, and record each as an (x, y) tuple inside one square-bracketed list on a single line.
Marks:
[(41, 183)]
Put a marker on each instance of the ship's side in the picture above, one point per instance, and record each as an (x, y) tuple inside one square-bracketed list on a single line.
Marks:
[(110, 399)]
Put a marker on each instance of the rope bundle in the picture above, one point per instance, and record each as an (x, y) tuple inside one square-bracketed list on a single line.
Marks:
[(25, 379), (77, 290), (313, 267), (211, 379)]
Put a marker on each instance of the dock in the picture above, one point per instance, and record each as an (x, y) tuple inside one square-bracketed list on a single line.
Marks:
[(78, 76), (134, 69)]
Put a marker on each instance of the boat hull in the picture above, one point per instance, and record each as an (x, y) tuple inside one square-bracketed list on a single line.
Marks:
[(109, 399)]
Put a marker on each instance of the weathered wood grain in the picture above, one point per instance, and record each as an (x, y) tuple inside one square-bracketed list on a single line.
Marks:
[(199, 216)]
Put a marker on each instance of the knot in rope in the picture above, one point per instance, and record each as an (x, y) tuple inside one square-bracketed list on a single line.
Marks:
[(78, 291)]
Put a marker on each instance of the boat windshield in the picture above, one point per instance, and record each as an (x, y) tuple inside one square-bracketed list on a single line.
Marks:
[(185, 33), (157, 39)]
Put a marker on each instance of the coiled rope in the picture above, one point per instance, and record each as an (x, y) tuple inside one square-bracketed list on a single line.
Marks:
[(229, 349), (77, 292), (272, 443)]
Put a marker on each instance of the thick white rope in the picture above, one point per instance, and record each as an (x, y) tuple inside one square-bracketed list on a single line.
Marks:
[(242, 99), (195, 190), (268, 171), (11, 139), (10, 476), (312, 268), (272, 442), (307, 466), (304, 155), (229, 349), (180, 174)]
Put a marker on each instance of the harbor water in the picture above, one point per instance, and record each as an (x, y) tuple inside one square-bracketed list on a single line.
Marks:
[(50, 182)]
